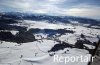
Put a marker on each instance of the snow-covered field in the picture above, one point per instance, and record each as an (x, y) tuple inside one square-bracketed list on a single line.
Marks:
[(36, 53)]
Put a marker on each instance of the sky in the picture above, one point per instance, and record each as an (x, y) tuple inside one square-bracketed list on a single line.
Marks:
[(82, 8)]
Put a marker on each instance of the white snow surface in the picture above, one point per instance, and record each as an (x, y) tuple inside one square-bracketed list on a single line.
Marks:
[(36, 53)]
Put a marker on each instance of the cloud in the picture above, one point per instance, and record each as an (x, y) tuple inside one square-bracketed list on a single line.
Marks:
[(84, 8), (84, 11)]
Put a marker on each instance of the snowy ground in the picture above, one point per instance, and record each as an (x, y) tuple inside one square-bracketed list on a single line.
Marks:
[(36, 53)]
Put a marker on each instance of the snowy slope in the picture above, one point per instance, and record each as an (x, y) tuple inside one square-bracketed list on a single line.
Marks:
[(36, 53)]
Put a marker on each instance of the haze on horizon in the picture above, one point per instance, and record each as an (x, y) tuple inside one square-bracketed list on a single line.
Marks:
[(82, 8)]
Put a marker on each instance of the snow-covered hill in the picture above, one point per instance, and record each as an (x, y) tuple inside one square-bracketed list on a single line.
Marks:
[(45, 40)]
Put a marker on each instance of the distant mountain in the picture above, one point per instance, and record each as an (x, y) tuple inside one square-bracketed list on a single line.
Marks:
[(50, 19)]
